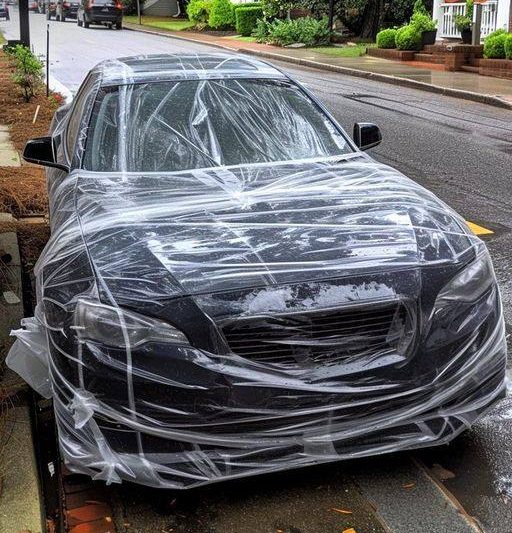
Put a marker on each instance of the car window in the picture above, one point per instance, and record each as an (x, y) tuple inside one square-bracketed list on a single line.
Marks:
[(80, 104), (103, 3), (172, 126)]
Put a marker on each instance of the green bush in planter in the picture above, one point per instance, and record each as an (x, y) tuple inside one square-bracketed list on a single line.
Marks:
[(408, 38), (222, 15), (246, 19), (508, 46), (423, 22), (494, 45), (386, 38), (198, 11)]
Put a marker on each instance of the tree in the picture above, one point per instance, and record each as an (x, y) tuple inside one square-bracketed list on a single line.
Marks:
[(373, 17)]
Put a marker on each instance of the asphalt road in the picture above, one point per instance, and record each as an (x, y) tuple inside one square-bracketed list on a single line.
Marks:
[(463, 152)]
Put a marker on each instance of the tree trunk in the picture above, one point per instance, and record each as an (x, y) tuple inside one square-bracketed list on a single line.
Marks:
[(373, 17)]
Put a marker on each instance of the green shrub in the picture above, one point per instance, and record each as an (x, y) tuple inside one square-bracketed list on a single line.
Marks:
[(419, 7), (222, 15), (198, 11), (246, 19), (28, 71), (423, 22), (386, 38), (508, 46), (305, 30), (247, 4), (408, 38), (494, 45), (262, 30)]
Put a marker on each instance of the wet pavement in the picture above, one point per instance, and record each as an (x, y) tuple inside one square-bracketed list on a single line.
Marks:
[(464, 81), (460, 150)]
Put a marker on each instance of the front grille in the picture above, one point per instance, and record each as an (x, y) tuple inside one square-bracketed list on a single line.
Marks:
[(327, 337)]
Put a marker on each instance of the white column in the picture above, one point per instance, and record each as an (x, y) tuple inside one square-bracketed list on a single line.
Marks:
[(436, 13), (502, 16)]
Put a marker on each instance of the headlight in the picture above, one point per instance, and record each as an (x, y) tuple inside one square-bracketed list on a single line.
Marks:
[(113, 326), (470, 284)]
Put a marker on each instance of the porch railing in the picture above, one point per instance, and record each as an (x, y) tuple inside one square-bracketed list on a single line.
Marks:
[(447, 27)]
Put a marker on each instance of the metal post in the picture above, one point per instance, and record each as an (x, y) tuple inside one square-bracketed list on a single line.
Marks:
[(477, 25), (24, 25), (47, 60), (138, 12)]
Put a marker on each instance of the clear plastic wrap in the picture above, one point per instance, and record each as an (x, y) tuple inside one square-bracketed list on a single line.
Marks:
[(210, 308)]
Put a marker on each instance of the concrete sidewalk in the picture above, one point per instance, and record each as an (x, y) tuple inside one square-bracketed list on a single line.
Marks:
[(485, 89)]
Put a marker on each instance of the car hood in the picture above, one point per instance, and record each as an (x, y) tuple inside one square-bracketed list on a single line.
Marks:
[(160, 235)]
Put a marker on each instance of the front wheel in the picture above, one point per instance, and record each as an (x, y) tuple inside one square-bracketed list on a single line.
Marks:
[(119, 25), (86, 24)]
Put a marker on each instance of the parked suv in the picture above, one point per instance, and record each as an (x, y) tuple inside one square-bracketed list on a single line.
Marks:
[(61, 10), (106, 12)]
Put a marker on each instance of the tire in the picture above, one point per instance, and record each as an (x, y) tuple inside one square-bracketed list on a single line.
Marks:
[(119, 25), (62, 18), (86, 24)]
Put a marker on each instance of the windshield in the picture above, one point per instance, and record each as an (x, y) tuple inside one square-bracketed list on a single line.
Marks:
[(181, 125)]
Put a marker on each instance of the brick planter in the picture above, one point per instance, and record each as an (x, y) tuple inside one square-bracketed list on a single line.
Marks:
[(499, 68), (392, 53)]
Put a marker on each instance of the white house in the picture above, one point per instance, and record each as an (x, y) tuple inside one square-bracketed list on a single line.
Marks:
[(495, 14)]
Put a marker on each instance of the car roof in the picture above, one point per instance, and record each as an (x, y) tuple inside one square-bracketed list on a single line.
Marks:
[(160, 67)]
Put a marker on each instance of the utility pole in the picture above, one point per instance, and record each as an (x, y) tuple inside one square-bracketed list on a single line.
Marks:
[(138, 12), (24, 26)]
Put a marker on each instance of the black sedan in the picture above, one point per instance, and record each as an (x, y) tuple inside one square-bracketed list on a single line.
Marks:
[(233, 287)]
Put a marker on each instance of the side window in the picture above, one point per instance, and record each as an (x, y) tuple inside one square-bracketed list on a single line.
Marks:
[(77, 115)]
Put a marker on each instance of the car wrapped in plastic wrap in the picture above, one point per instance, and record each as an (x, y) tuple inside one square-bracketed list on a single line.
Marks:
[(232, 287)]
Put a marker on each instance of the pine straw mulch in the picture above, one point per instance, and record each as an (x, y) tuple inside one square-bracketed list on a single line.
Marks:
[(23, 189)]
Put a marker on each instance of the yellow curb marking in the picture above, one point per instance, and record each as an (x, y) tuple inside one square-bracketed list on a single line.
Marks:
[(478, 230)]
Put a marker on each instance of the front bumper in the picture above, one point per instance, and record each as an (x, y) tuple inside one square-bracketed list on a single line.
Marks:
[(219, 424)]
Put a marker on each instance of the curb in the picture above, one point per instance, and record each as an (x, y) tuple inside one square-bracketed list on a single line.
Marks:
[(385, 78)]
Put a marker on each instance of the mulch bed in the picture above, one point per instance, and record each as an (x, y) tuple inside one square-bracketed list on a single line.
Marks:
[(23, 189)]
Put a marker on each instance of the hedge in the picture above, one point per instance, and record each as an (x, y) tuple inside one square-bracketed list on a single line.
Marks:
[(408, 38), (198, 11), (494, 45), (246, 18), (508, 46), (386, 38), (222, 15)]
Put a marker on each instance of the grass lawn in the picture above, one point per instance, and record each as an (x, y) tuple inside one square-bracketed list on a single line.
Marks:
[(345, 51), (162, 23), (246, 39)]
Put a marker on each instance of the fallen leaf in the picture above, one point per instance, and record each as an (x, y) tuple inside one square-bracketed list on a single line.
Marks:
[(349, 530), (409, 485), (342, 511)]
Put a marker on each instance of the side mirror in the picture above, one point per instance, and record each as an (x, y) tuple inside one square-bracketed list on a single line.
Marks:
[(366, 135), (40, 151)]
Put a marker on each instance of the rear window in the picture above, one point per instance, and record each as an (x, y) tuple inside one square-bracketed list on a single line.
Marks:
[(103, 3), (173, 126)]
